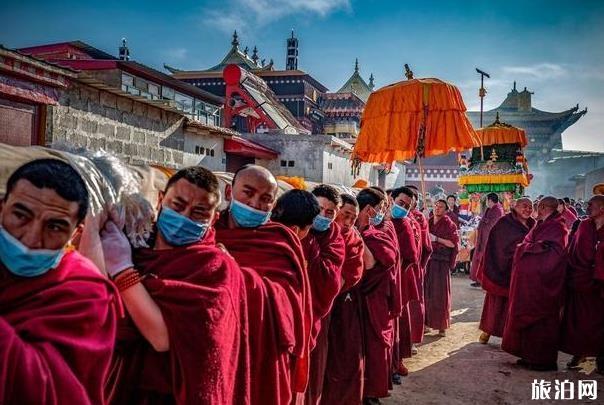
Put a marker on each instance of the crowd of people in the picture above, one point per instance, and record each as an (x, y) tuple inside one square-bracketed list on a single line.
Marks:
[(308, 297)]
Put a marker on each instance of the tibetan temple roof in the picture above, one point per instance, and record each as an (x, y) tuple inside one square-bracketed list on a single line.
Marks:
[(357, 85), (341, 104)]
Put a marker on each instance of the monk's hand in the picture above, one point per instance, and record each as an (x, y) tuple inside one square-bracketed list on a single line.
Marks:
[(433, 238), (116, 249)]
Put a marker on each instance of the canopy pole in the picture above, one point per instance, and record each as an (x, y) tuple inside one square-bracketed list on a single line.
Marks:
[(421, 180)]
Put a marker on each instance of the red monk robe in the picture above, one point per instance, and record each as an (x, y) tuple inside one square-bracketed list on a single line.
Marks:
[(201, 294), (417, 311), (409, 285), (279, 308), (496, 270), (378, 306), (343, 382), (488, 221), (437, 284), (324, 253), (537, 293), (583, 321), (57, 333), (569, 218)]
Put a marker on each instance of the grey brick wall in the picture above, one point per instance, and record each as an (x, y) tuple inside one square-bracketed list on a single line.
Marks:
[(136, 132)]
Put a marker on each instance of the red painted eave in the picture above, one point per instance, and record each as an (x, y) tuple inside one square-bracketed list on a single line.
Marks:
[(243, 147)]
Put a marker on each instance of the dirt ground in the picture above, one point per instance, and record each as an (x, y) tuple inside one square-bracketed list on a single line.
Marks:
[(457, 369)]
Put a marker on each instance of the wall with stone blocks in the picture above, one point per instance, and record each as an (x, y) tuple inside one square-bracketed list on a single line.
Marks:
[(136, 132)]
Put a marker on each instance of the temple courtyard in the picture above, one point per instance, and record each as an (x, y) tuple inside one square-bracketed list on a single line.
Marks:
[(457, 369)]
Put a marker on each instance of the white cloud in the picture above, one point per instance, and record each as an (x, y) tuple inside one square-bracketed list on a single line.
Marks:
[(245, 14), (176, 53), (541, 71)]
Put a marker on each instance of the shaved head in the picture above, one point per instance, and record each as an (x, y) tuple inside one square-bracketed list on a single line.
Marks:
[(595, 207), (254, 186), (523, 207), (547, 206)]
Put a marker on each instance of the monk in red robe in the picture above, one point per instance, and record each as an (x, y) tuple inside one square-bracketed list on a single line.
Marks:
[(185, 339), (583, 322), (417, 307), (567, 215), (453, 209), (57, 312), (536, 291), (437, 284), (496, 269), (324, 252), (378, 298), (492, 214), (408, 240), (279, 301), (343, 382)]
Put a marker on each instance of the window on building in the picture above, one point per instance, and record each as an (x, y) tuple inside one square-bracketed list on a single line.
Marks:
[(154, 91), (283, 163), (290, 163), (184, 103), (167, 93), (330, 165), (212, 152)]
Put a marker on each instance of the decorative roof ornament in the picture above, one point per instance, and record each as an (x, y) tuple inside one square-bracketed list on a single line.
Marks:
[(356, 65), (371, 83), (408, 72), (235, 41), (246, 50), (255, 56)]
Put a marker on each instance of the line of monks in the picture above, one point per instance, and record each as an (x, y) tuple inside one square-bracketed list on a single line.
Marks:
[(543, 273), (312, 298)]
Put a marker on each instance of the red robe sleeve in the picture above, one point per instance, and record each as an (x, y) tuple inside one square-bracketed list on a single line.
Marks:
[(57, 334), (352, 269)]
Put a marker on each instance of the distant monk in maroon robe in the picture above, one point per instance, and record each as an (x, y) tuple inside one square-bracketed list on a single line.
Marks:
[(437, 284), (453, 209), (344, 373), (567, 215), (408, 238), (417, 307), (496, 269), (324, 251), (492, 214), (377, 295), (583, 322), (279, 300), (57, 312), (537, 291), (186, 303)]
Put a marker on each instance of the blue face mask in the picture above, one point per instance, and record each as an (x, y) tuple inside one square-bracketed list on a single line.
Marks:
[(23, 261), (246, 216), (321, 223), (179, 230), (379, 217), (399, 212)]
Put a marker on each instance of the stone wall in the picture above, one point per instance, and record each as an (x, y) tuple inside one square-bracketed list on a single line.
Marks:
[(136, 132)]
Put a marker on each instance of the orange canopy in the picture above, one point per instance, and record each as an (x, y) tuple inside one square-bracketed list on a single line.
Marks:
[(393, 116), (501, 133)]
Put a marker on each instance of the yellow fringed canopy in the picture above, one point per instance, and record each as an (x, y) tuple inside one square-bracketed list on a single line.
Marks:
[(521, 179)]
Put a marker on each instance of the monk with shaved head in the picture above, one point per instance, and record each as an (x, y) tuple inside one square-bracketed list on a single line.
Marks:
[(496, 269), (278, 293), (583, 322), (536, 291)]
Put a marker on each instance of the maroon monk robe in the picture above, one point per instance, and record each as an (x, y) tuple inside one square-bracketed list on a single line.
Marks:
[(437, 285), (491, 215), (279, 308), (201, 293), (417, 311), (569, 218), (343, 381), (496, 270), (453, 214), (409, 284), (376, 291), (324, 253), (57, 333), (537, 293), (583, 321)]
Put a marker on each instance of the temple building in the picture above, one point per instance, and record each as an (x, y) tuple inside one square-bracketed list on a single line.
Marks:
[(297, 90)]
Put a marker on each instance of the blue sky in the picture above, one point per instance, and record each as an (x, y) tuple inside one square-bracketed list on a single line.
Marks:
[(555, 48)]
